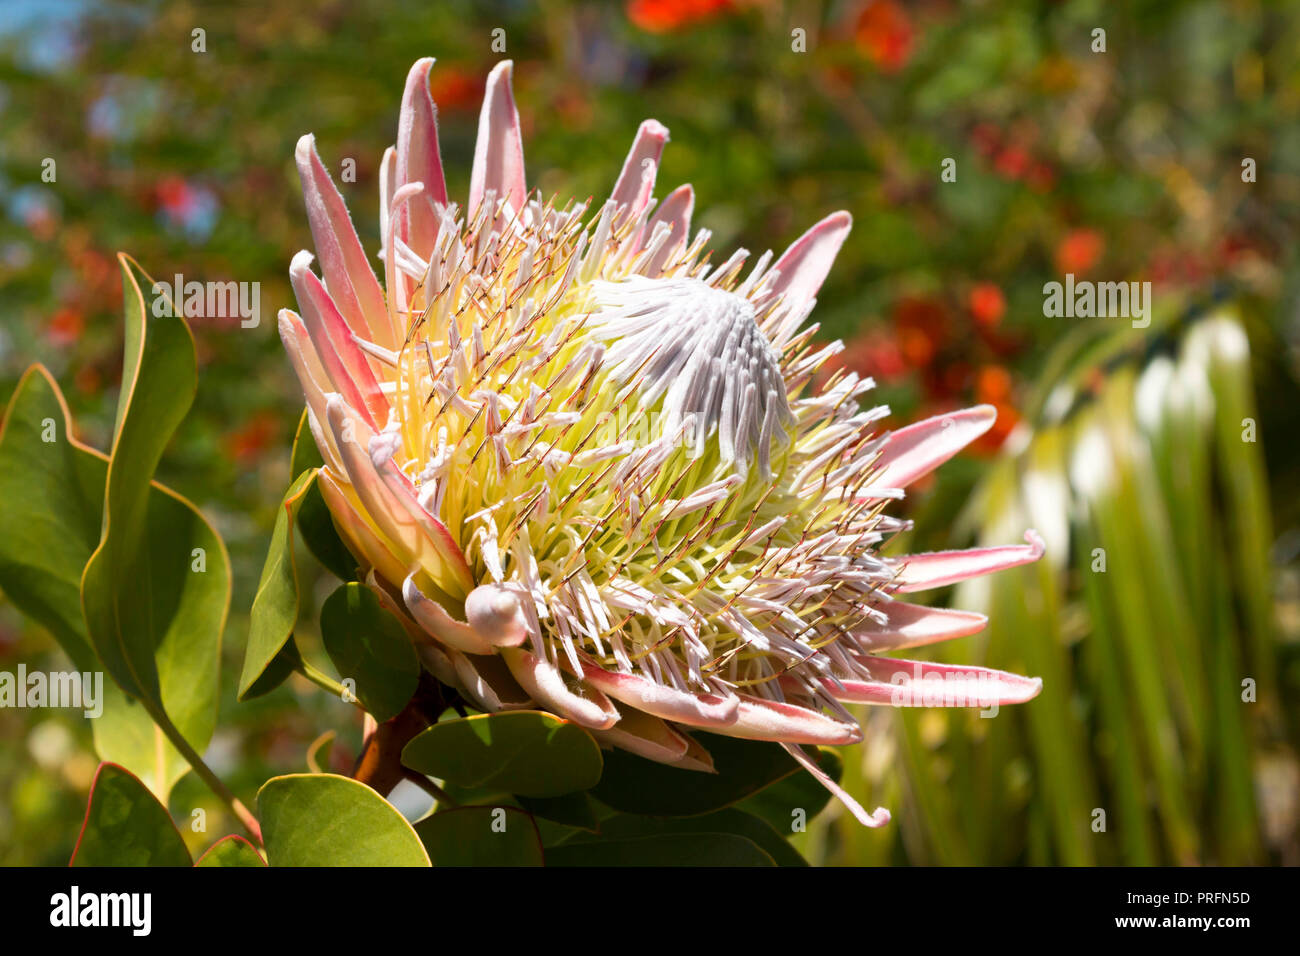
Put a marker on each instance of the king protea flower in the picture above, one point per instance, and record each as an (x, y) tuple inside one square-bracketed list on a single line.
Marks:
[(590, 470)]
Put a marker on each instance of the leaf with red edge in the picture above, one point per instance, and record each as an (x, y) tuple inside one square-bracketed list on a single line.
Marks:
[(125, 825), (231, 851)]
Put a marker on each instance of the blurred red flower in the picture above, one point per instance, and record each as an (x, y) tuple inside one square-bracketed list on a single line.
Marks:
[(663, 16), (884, 32), (1041, 176), (873, 353), (985, 137), (1080, 250), (454, 88), (921, 325), (987, 304), (65, 327), (88, 380), (1013, 162), (175, 196), (249, 440), (992, 384)]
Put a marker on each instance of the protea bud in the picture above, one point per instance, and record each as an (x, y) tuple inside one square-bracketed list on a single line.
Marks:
[(590, 469)]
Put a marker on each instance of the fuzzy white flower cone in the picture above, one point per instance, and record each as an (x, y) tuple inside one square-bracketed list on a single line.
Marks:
[(590, 472)]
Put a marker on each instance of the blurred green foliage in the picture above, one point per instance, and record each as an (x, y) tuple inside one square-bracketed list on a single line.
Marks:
[(1122, 164)]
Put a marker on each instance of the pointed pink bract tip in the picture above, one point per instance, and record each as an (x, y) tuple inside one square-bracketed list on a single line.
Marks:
[(300, 263), (285, 321), (842, 218), (652, 127), (417, 77), (305, 148)]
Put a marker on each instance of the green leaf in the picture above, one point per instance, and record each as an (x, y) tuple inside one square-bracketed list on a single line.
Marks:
[(328, 820), (524, 752), (51, 504), (369, 646), (314, 522), (231, 851), (572, 810), (671, 849), (275, 607), (156, 590), (126, 825), (51, 513), (636, 785), (159, 379), (731, 821), (277, 671), (481, 836), (778, 803)]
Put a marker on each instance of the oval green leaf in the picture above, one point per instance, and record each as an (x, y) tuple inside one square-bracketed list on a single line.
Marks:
[(636, 785), (370, 647), (525, 752), (758, 831), (572, 810), (799, 796), (481, 836), (328, 820)]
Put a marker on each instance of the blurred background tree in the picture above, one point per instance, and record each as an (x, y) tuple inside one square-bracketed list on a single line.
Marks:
[(1122, 163)]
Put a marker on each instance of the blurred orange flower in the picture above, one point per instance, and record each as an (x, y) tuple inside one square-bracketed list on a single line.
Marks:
[(1079, 251), (987, 304), (922, 327), (663, 16), (454, 88), (884, 32), (65, 327), (247, 442), (994, 386), (88, 380)]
